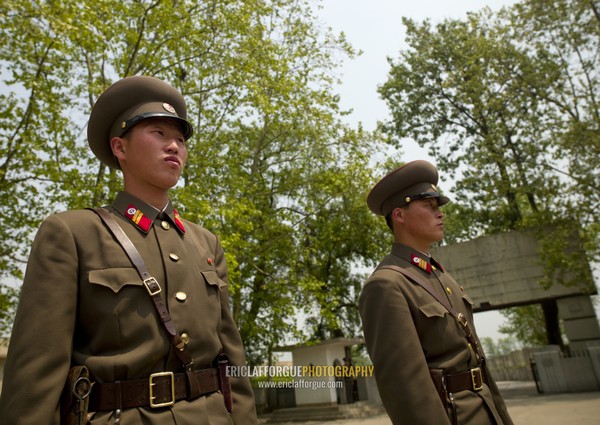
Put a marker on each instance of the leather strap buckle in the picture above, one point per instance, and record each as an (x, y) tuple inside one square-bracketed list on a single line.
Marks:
[(151, 385), (477, 379), (462, 319), (152, 286)]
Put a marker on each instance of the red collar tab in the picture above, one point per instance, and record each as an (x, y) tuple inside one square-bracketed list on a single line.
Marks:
[(420, 263), (138, 218), (437, 265), (178, 221)]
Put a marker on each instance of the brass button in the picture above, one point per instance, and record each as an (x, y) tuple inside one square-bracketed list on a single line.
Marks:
[(165, 225), (448, 290), (185, 338), (181, 296), (174, 256)]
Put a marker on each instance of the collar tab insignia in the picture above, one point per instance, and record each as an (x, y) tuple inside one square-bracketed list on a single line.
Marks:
[(138, 218), (420, 263), (437, 265), (178, 221)]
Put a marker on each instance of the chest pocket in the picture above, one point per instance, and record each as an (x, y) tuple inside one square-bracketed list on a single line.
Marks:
[(212, 300), (115, 278), (212, 279), (434, 309)]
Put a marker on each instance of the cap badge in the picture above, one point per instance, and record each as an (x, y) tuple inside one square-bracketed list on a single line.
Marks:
[(420, 263), (169, 108)]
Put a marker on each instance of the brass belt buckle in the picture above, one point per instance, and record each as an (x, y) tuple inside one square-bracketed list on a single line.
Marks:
[(477, 379), (151, 385)]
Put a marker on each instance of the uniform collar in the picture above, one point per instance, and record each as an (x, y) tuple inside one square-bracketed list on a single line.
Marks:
[(142, 215), (416, 258)]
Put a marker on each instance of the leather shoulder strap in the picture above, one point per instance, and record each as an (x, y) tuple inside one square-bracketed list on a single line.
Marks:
[(460, 318), (126, 243), (414, 277), (151, 284)]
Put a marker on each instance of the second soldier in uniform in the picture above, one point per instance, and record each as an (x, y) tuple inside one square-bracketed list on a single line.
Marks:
[(417, 321)]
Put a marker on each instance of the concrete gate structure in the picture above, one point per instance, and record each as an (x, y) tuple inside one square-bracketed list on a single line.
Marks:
[(504, 270)]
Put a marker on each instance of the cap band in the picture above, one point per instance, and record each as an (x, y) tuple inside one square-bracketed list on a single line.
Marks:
[(185, 127)]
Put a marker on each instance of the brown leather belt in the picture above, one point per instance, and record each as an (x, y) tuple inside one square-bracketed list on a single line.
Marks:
[(469, 380), (160, 389)]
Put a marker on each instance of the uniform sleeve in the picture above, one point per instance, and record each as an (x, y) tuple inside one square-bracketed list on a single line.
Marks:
[(39, 353), (401, 370), (244, 409)]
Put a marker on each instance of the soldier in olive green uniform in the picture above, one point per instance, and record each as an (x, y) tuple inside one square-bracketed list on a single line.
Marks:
[(84, 303), (411, 336)]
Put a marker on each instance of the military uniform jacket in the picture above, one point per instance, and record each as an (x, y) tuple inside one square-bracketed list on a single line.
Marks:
[(83, 303), (407, 332)]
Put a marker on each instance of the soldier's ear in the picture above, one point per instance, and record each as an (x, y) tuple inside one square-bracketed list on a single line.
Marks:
[(117, 145), (398, 215)]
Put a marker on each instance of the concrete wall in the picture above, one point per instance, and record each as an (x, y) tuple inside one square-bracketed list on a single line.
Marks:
[(511, 367), (579, 321), (558, 374), (503, 270)]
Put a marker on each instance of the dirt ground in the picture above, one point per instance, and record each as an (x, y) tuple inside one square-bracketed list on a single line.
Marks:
[(526, 407)]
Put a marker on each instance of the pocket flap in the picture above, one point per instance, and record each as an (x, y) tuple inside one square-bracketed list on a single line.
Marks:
[(115, 278), (433, 310), (212, 278)]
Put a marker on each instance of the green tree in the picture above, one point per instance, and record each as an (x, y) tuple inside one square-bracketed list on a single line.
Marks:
[(526, 324), (502, 346), (271, 162), (565, 35), (8, 301), (484, 94)]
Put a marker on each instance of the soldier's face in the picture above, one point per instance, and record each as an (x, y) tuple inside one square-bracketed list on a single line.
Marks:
[(422, 223), (153, 154)]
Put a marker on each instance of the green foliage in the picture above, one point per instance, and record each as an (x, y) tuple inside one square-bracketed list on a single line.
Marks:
[(507, 104), (526, 323), (359, 356), (499, 347), (271, 169), (455, 92), (9, 297)]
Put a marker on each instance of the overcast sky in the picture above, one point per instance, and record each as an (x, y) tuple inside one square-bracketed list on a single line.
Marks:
[(375, 27)]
